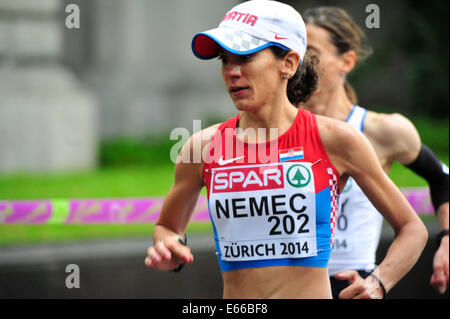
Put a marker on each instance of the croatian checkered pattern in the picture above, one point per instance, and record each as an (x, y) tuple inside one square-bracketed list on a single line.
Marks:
[(241, 41), (334, 201)]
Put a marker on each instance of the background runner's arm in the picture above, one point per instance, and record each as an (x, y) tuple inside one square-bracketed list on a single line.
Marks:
[(435, 172), (406, 147)]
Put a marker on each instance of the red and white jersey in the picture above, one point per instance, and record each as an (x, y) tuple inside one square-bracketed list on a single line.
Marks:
[(272, 203)]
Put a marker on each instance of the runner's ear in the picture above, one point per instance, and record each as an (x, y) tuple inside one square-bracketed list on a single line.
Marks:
[(348, 61), (290, 63)]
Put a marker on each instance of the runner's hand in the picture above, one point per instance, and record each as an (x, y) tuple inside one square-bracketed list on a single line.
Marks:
[(359, 288), (168, 254), (439, 279)]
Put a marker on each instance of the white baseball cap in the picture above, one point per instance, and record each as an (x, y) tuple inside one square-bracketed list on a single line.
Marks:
[(252, 26)]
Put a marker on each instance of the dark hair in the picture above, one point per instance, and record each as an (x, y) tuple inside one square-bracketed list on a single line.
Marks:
[(345, 35), (304, 82)]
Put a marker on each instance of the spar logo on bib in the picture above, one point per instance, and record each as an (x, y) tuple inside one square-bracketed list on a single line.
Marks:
[(298, 176), (247, 178)]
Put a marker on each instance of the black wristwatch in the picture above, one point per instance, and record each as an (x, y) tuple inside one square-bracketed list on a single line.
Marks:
[(183, 242), (440, 235)]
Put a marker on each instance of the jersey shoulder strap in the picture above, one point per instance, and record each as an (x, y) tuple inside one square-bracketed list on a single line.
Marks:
[(356, 117)]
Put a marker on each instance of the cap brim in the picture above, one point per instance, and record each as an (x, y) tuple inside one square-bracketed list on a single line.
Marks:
[(206, 45)]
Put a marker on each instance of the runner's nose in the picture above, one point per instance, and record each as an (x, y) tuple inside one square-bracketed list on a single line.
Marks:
[(233, 70)]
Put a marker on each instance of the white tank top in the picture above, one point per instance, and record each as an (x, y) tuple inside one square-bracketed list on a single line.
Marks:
[(358, 226)]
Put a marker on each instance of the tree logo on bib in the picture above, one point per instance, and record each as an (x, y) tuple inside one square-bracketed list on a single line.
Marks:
[(298, 176)]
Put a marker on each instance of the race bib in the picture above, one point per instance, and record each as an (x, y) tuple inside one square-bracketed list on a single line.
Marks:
[(342, 244), (264, 211)]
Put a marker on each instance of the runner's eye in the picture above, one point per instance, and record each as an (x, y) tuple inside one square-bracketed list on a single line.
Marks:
[(223, 58), (245, 58)]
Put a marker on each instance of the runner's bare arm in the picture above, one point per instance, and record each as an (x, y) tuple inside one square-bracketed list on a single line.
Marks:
[(352, 155), (405, 148), (394, 136), (167, 252), (401, 142)]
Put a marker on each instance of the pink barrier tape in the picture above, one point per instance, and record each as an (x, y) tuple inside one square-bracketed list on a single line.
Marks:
[(129, 211), (90, 211), (420, 200)]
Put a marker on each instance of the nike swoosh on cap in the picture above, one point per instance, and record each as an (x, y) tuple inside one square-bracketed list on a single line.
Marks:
[(277, 37)]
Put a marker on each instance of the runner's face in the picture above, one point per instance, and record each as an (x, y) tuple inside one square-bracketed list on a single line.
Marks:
[(252, 80), (330, 72)]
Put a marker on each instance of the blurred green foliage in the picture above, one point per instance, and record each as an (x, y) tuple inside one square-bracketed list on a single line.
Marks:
[(409, 68), (414, 57), (136, 152), (108, 182), (155, 150), (434, 133), (423, 35)]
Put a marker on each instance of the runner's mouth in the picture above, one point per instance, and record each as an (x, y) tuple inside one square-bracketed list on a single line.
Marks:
[(238, 89)]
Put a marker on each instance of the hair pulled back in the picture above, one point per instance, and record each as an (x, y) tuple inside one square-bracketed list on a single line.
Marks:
[(304, 82), (345, 35)]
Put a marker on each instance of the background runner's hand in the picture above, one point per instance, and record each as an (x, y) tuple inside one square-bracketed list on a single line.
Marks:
[(439, 279), (168, 254), (359, 288)]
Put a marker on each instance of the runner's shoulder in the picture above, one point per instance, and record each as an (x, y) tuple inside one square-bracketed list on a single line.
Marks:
[(389, 129), (194, 147), (335, 133), (205, 136)]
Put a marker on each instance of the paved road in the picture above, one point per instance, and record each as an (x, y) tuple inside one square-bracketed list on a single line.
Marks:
[(113, 248), (115, 269)]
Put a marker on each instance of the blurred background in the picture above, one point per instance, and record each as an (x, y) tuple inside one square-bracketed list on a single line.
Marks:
[(86, 111)]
